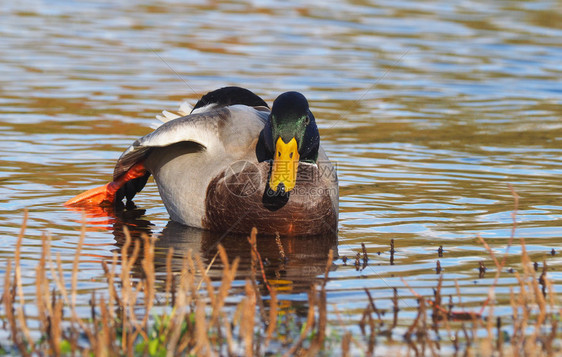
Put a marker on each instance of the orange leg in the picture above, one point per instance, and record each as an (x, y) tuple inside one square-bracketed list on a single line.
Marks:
[(106, 193)]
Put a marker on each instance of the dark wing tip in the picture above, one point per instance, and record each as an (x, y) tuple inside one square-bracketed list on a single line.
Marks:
[(226, 96)]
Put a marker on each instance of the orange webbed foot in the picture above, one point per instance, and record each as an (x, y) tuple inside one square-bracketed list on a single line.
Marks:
[(94, 197), (106, 194)]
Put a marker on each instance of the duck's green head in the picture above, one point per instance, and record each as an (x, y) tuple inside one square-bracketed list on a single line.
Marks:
[(294, 138)]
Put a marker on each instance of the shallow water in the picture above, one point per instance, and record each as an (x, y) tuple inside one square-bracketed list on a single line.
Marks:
[(429, 109)]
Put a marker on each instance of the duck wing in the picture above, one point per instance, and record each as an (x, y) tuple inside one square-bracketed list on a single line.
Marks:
[(199, 128), (218, 130), (221, 130)]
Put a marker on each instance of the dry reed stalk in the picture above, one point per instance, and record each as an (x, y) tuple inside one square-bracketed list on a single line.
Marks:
[(146, 286), (228, 335), (520, 326), (363, 319), (489, 250), (526, 298), (74, 285), (49, 313), (76, 262), (148, 267), (115, 301), (456, 315), (42, 290), (469, 338), (541, 318), (445, 314), (500, 341), (456, 342), (113, 298), (237, 319), (309, 322), (256, 258), (17, 257), (273, 310), (125, 303), (500, 266), (458, 291), (174, 332), (104, 336), (412, 328), (178, 315), (372, 342), (248, 318), (93, 315), (18, 284), (318, 342), (373, 306), (554, 322), (202, 346), (174, 289), (58, 278), (194, 295), (8, 299), (436, 314), (322, 302), (346, 344), (395, 308), (169, 274), (310, 318), (228, 276), (532, 295), (351, 339), (113, 294), (138, 326), (56, 325), (280, 247), (46, 252), (487, 343), (185, 341), (419, 327), (542, 304), (252, 239), (205, 277), (208, 269), (422, 335), (515, 317)]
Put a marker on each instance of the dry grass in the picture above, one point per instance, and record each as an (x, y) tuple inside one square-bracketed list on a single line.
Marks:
[(193, 320), (190, 314)]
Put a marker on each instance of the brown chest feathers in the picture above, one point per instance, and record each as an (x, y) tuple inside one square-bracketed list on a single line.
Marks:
[(238, 199)]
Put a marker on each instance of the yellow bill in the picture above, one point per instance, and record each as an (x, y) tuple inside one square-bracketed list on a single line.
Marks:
[(285, 165)]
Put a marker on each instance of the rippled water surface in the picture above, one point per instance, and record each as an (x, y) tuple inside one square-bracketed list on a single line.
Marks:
[(429, 108)]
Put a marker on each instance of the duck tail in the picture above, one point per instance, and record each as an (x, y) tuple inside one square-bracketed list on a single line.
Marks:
[(108, 193)]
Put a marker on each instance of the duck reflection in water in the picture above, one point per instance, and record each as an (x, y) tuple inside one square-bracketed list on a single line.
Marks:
[(291, 264)]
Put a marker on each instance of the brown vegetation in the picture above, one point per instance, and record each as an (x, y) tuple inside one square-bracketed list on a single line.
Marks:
[(189, 313)]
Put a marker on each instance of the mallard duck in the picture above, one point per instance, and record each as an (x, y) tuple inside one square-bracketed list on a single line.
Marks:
[(232, 164)]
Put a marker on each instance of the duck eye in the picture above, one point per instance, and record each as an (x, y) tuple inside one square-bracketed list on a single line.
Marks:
[(290, 155), (306, 120), (279, 153)]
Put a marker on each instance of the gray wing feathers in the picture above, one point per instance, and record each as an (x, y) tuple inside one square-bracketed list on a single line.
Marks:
[(207, 129), (200, 128)]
